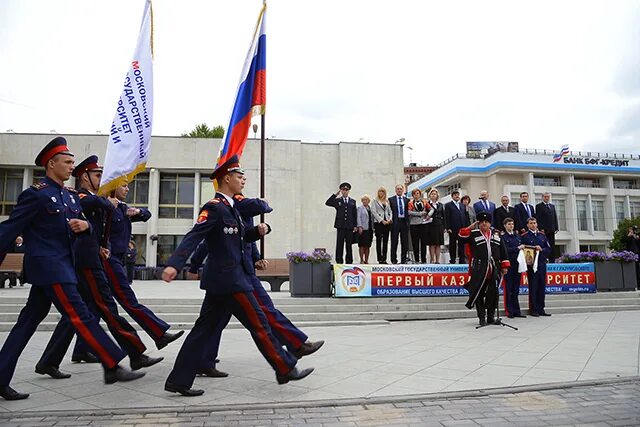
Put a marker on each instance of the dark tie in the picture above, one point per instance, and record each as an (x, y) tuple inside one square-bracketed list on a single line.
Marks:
[(400, 207), (528, 212)]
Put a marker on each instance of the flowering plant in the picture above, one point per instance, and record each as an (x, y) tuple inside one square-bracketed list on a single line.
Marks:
[(623, 256), (314, 257)]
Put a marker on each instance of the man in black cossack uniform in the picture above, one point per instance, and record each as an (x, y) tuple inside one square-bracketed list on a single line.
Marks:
[(487, 258)]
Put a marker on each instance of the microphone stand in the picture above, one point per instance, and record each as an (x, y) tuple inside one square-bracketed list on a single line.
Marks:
[(498, 320)]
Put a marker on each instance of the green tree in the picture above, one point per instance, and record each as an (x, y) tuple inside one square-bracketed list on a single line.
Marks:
[(618, 241), (204, 131)]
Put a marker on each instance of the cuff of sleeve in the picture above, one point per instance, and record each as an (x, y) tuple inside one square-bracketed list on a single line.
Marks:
[(464, 232), (505, 264)]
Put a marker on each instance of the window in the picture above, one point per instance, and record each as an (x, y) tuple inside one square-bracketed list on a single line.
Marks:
[(592, 248), (139, 191), (561, 212), (587, 182), (598, 215), (547, 181), (455, 186), (38, 175), (10, 189), (626, 184), (581, 210), (619, 204), (207, 192), (634, 208), (176, 195), (167, 244)]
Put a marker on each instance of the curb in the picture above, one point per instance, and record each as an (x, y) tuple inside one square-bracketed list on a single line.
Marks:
[(358, 401)]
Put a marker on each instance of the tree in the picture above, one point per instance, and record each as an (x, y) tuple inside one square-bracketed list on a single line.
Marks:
[(204, 131), (618, 241)]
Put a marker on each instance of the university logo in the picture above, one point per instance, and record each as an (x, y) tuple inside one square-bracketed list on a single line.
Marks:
[(353, 279)]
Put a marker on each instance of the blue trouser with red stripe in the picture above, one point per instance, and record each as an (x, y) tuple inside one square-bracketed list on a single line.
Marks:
[(117, 275), (216, 310), (69, 303), (93, 287), (511, 291), (537, 288), (281, 326)]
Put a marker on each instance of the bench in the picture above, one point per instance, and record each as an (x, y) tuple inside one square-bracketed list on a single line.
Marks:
[(11, 268), (276, 273)]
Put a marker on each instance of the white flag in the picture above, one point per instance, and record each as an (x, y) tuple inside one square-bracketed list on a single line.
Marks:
[(130, 136)]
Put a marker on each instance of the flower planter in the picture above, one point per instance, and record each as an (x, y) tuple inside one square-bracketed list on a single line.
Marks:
[(609, 276), (321, 283), (301, 279), (629, 277)]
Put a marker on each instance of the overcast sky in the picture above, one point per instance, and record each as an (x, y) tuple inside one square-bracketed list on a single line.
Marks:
[(436, 73)]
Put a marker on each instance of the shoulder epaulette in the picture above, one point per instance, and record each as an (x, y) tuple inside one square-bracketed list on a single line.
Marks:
[(40, 185), (214, 201), (82, 195), (71, 190), (239, 197)]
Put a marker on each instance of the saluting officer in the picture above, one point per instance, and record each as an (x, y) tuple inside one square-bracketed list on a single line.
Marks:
[(226, 279), (50, 217), (537, 274), (89, 249), (119, 237), (346, 221), (488, 257)]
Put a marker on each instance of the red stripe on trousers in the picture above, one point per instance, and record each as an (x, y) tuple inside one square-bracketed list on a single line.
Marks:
[(108, 315), (82, 329), (273, 322), (127, 304), (263, 337)]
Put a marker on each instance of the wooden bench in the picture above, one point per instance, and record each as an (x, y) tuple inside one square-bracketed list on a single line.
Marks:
[(276, 274), (11, 268)]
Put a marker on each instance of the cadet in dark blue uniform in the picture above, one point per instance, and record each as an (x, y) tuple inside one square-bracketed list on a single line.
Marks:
[(119, 237), (538, 278), (49, 216), (287, 333), (89, 249), (226, 279), (512, 279), (346, 221)]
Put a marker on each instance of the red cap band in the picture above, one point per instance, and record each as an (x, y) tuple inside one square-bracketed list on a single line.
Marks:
[(55, 150)]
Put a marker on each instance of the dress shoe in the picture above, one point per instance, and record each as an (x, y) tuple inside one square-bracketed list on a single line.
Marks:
[(167, 339), (8, 393), (307, 348), (524, 316), (491, 320), (544, 313), (120, 374), (144, 361), (293, 375), (534, 314), (84, 357), (510, 316), (483, 322), (52, 371), (185, 391), (212, 373)]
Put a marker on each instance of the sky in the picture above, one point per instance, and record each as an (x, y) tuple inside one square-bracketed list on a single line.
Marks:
[(435, 73)]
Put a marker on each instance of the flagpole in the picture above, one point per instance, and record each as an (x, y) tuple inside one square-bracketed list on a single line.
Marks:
[(262, 173)]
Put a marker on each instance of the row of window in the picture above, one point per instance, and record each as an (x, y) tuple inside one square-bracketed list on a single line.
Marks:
[(585, 182)]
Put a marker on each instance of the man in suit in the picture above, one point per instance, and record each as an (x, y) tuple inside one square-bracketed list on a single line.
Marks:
[(226, 279), (503, 212), (536, 273), (399, 225), (523, 211), (346, 221), (548, 222), (484, 204), (454, 220)]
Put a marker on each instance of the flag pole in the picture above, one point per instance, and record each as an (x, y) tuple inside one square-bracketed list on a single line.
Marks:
[(262, 174)]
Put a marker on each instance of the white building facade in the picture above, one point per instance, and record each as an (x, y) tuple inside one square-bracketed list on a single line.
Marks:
[(592, 192), (299, 178)]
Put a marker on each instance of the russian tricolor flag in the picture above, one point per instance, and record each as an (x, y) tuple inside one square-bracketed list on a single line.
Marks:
[(563, 152), (252, 94)]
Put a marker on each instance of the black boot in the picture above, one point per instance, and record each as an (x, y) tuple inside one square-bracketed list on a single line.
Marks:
[(307, 348), (52, 371), (119, 373), (8, 393), (212, 373), (183, 390), (85, 357), (144, 361), (293, 375), (167, 339)]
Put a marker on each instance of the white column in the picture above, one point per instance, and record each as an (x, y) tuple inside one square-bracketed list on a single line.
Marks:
[(589, 214), (196, 196), (531, 188), (571, 213), (152, 227), (27, 178), (627, 207), (610, 208)]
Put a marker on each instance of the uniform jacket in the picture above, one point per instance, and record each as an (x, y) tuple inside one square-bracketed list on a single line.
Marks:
[(41, 216), (226, 270), (480, 207), (547, 218), (511, 243), (538, 239), (454, 217), (500, 214), (346, 214), (393, 203), (87, 247), (120, 233), (522, 217)]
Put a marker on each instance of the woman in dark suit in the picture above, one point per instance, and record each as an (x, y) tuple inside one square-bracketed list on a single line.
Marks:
[(365, 229), (435, 228), (418, 209)]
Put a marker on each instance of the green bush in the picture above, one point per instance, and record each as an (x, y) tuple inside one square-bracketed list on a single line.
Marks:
[(618, 241)]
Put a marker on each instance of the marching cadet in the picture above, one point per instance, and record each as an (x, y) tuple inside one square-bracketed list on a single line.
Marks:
[(226, 280), (88, 250), (114, 266), (50, 217), (537, 274), (488, 258), (346, 222), (512, 279)]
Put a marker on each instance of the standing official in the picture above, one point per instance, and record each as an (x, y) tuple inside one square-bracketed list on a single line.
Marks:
[(512, 242), (50, 217), (484, 204), (454, 220), (548, 222), (226, 279), (503, 212), (400, 225), (523, 211), (346, 221), (488, 259), (537, 273)]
